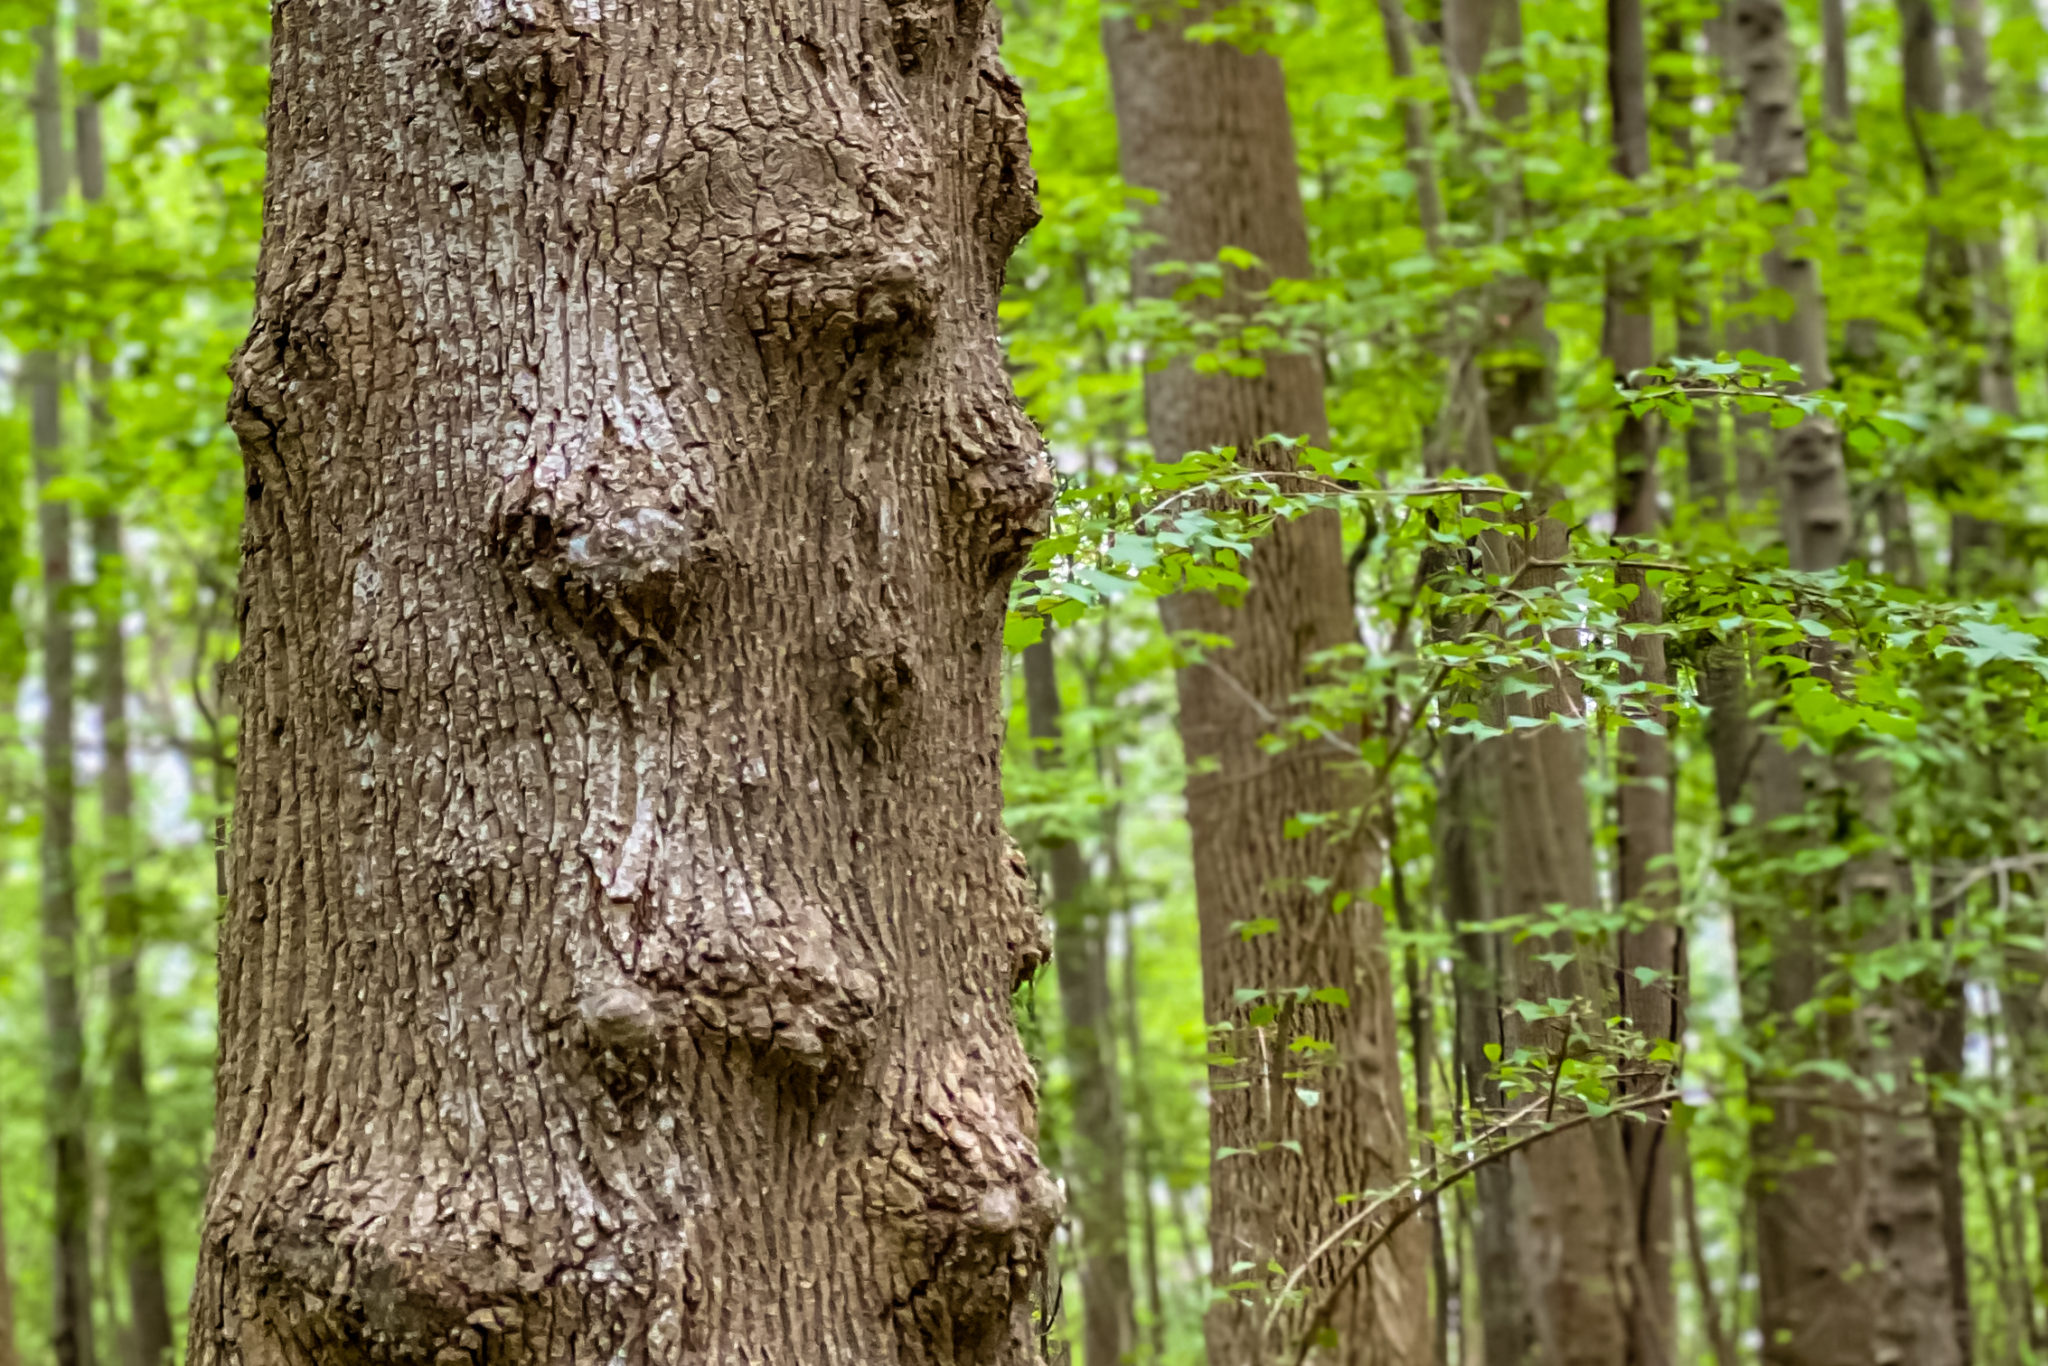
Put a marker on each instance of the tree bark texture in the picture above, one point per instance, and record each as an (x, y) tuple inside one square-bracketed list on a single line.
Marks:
[(1095, 1148), (1206, 126), (66, 1104), (1645, 813), (622, 933)]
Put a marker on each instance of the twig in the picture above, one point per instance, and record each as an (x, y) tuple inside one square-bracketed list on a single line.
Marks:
[(1415, 1201)]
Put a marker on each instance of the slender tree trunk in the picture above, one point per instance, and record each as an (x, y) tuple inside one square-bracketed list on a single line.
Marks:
[(1206, 126), (1095, 1175), (132, 1191), (1645, 812), (1415, 132), (1981, 558), (1676, 85), (131, 1167), (1976, 560), (1419, 983), (66, 1105), (621, 941), (1713, 1319), (1144, 1168)]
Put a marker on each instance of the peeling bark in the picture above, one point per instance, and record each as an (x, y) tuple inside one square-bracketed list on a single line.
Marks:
[(622, 933), (1206, 125)]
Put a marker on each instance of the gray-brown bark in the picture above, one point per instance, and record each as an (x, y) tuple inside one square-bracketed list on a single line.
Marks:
[(1206, 126), (66, 1105), (1095, 1148), (622, 934), (1645, 813)]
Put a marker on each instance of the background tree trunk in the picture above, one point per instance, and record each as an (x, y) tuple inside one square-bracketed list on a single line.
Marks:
[(1850, 1256), (1645, 813), (1206, 126), (66, 1103), (1095, 1156), (619, 959), (132, 1187), (131, 1169), (1560, 1280)]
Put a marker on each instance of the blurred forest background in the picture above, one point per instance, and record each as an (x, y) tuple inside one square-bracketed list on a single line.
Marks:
[(130, 203)]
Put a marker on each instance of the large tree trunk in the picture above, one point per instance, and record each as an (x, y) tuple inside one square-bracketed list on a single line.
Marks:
[(132, 1192), (622, 933), (1206, 126), (1095, 1150), (66, 1104)]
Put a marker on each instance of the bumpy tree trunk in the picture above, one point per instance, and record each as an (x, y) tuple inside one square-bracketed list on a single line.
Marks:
[(622, 933), (1095, 1148), (1206, 126), (66, 1104)]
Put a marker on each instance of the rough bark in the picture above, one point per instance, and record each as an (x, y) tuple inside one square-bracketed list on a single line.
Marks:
[(132, 1186), (621, 939), (1206, 126), (1645, 814), (1095, 1149), (66, 1104)]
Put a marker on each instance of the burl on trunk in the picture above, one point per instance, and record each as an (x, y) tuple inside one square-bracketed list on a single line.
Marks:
[(622, 930)]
